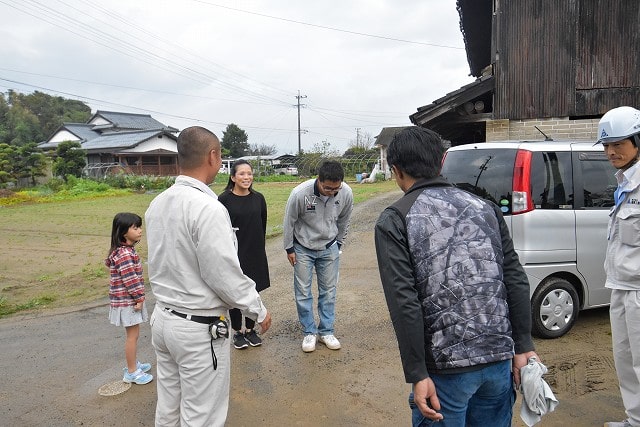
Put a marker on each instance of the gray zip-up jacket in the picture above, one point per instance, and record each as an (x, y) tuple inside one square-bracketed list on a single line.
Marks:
[(622, 263), (457, 294), (316, 221)]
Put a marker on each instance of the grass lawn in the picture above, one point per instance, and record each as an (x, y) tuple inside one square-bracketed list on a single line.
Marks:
[(53, 252)]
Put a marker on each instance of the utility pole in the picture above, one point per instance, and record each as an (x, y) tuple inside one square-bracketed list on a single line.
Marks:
[(299, 131), (358, 137)]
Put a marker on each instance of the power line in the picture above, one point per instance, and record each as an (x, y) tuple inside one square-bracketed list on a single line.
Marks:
[(47, 14), (324, 27), (136, 88), (354, 116), (343, 117), (100, 101), (134, 25), (333, 125)]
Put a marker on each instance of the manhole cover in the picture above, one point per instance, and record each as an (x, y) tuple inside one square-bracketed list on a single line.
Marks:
[(114, 388)]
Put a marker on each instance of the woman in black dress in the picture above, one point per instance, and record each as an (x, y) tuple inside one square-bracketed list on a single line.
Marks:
[(248, 212)]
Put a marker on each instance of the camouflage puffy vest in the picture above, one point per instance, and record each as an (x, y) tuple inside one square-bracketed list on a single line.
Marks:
[(454, 240)]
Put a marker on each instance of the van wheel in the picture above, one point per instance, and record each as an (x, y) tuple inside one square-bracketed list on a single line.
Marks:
[(554, 308)]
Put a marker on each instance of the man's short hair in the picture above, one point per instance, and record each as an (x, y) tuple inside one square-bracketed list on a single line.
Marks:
[(193, 145), (330, 170), (417, 152)]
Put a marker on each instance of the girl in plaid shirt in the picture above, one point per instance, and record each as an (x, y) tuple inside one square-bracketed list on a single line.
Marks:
[(126, 291)]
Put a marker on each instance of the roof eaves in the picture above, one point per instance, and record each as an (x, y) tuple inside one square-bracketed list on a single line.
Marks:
[(452, 100)]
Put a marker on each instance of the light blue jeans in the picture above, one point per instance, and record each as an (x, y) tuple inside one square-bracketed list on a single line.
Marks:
[(474, 399), (326, 263)]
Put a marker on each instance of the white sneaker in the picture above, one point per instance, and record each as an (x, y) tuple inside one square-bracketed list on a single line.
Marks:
[(330, 341), (309, 343)]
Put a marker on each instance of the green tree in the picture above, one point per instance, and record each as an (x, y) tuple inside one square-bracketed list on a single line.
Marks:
[(23, 127), (30, 163), (26, 118), (362, 144), (70, 159), (262, 150), (53, 111), (4, 130), (235, 139), (324, 149), (7, 160), (360, 152), (308, 161)]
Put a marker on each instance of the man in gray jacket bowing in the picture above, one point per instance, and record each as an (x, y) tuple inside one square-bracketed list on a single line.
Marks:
[(316, 221)]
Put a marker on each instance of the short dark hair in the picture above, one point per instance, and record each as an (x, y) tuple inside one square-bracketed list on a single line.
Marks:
[(417, 152), (330, 170), (193, 145)]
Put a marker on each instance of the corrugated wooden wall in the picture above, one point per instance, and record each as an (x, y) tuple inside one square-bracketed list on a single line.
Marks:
[(608, 44), (607, 55), (535, 48), (560, 58)]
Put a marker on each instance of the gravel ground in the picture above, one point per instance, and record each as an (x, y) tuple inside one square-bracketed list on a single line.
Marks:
[(52, 364)]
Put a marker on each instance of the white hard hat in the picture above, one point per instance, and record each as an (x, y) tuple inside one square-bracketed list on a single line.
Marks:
[(618, 124)]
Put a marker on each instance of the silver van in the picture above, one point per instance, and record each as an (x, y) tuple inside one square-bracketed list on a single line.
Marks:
[(555, 197)]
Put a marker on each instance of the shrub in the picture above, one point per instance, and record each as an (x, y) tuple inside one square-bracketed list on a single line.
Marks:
[(55, 184), (139, 182)]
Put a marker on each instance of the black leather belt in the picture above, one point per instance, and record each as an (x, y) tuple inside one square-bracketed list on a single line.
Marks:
[(207, 320)]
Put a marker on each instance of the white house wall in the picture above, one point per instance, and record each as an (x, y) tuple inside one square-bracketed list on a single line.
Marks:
[(99, 121), (63, 135), (154, 144)]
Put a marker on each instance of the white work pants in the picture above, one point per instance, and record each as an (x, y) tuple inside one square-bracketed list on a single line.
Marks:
[(190, 392), (625, 333)]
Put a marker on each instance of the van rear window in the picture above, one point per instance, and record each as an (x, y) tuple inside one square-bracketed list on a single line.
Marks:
[(487, 173)]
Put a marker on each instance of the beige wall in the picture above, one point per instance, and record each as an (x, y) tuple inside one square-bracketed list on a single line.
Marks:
[(556, 128)]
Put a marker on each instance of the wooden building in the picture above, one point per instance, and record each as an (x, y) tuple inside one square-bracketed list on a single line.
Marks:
[(549, 67)]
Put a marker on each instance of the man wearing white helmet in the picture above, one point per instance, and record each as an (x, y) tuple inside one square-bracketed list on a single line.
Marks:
[(619, 133)]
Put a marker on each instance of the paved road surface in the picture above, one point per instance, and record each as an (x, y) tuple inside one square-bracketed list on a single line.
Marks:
[(52, 364)]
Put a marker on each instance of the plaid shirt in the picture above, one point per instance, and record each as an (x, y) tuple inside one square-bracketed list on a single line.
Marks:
[(126, 284)]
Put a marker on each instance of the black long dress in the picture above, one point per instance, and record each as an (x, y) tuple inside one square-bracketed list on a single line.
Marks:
[(249, 215)]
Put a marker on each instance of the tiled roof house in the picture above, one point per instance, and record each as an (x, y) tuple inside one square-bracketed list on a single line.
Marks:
[(115, 141)]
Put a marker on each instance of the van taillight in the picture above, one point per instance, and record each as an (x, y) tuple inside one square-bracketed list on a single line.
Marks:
[(521, 199)]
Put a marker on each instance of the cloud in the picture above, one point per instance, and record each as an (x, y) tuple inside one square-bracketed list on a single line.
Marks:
[(218, 62)]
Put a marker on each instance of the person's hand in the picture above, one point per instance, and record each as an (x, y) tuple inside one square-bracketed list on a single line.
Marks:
[(520, 360), (266, 323), (137, 306), (292, 258), (426, 398)]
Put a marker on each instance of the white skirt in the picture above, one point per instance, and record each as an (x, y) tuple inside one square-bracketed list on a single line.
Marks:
[(127, 316)]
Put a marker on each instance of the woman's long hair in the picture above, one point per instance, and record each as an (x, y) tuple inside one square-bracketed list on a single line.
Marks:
[(232, 172)]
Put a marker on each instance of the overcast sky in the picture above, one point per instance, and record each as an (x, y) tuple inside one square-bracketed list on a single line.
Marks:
[(360, 65)]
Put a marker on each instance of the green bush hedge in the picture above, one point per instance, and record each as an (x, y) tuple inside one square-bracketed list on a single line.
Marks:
[(139, 182)]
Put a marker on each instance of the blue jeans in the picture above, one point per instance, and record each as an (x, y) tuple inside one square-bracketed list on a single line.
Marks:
[(326, 263), (474, 399)]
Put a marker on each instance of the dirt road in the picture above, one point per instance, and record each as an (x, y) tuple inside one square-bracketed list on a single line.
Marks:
[(52, 364)]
